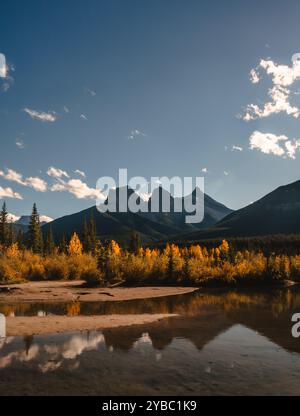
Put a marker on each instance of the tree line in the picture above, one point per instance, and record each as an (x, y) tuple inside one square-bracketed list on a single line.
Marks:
[(34, 240), (85, 257)]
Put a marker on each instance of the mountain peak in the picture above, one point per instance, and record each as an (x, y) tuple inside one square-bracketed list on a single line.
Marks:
[(278, 212), (151, 226), (24, 219)]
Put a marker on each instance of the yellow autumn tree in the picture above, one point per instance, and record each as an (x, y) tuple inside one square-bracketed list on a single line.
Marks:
[(75, 247), (217, 252), (224, 247), (13, 250), (141, 252), (224, 250), (114, 248), (175, 249), (148, 253), (167, 250), (196, 252), (185, 252), (155, 252)]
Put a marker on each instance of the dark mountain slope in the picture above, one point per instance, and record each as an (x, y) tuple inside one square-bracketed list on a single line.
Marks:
[(150, 226), (276, 213), (118, 226)]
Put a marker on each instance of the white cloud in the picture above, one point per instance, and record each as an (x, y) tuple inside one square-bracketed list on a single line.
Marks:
[(254, 76), (291, 147), (84, 117), (9, 193), (80, 172), (56, 172), (204, 170), (91, 92), (12, 217), (12, 175), (237, 148), (49, 116), (20, 144), (6, 80), (267, 143), (283, 76), (77, 188), (272, 144), (45, 218), (280, 103), (3, 66), (36, 183), (226, 173), (135, 134)]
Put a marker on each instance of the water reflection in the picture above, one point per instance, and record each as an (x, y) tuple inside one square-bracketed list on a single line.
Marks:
[(276, 300), (2, 326), (234, 342)]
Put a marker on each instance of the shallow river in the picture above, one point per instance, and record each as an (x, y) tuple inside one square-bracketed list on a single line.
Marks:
[(224, 342)]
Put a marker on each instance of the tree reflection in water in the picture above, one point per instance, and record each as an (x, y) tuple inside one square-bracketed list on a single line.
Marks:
[(241, 333)]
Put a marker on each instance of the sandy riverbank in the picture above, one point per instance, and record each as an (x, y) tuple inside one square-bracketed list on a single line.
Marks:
[(35, 325), (58, 291)]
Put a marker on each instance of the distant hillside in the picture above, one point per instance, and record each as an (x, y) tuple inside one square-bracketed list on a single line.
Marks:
[(21, 223), (150, 226), (276, 213), (118, 226)]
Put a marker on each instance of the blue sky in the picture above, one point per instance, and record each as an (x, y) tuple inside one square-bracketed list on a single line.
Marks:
[(155, 87)]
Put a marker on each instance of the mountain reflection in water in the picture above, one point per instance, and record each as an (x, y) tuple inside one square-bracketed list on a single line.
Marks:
[(233, 342)]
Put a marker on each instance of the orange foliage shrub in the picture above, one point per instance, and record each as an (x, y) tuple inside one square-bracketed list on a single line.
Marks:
[(194, 265)]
